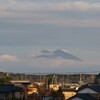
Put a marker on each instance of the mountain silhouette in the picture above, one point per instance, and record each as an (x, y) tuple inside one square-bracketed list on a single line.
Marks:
[(58, 54)]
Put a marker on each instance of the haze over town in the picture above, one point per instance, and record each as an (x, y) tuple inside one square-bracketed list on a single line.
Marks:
[(31, 31)]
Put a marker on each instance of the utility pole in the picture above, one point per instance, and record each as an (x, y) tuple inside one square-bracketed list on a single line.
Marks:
[(40, 77), (80, 80), (63, 80)]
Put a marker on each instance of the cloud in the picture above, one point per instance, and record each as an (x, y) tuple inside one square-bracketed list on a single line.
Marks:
[(84, 23), (49, 12), (62, 65), (17, 6), (26, 5), (45, 51), (8, 58), (46, 65), (70, 23)]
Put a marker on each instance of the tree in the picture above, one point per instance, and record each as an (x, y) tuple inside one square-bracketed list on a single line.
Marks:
[(5, 80), (97, 79)]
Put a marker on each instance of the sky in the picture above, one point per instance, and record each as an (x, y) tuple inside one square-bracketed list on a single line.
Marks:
[(29, 26)]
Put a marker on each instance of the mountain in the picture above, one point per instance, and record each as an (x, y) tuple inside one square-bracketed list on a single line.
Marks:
[(58, 54), (63, 54)]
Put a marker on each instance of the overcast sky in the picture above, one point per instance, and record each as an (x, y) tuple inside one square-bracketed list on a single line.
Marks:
[(29, 26)]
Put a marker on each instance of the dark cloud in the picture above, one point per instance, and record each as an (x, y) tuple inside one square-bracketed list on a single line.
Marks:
[(45, 51)]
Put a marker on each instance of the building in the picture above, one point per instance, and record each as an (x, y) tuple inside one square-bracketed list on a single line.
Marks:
[(68, 93), (82, 97), (9, 91), (87, 91)]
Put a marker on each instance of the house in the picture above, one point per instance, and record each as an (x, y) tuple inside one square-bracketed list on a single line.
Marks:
[(9, 91), (31, 89), (87, 91), (68, 93), (93, 89), (90, 88), (82, 97), (47, 97), (50, 97)]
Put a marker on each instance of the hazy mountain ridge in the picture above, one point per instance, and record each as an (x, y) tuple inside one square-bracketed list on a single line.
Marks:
[(46, 54)]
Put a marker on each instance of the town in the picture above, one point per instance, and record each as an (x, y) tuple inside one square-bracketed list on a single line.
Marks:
[(19, 86)]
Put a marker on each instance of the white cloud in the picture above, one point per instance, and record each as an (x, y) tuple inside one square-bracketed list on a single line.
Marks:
[(51, 6), (58, 63), (7, 57), (31, 12), (49, 65)]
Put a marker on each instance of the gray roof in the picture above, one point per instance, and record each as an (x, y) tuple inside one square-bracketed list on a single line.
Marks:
[(95, 87), (6, 88), (83, 97)]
